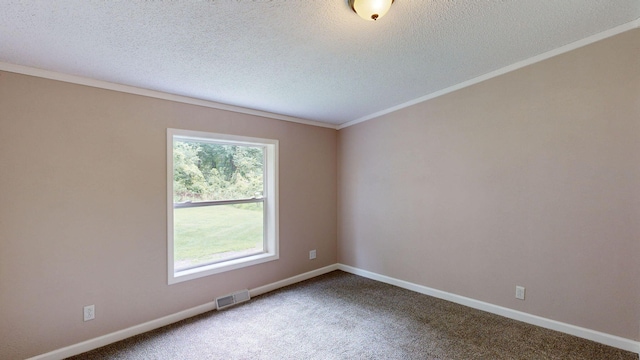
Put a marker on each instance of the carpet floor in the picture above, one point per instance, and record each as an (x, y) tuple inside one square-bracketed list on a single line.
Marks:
[(344, 316)]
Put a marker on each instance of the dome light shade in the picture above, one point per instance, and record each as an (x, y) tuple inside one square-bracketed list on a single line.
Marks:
[(370, 9)]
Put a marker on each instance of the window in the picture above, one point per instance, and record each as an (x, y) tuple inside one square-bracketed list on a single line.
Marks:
[(222, 203)]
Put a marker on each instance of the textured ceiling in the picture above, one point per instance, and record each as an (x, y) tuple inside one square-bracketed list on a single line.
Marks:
[(310, 59)]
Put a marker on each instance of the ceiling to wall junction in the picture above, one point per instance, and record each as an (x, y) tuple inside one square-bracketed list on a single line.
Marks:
[(307, 59)]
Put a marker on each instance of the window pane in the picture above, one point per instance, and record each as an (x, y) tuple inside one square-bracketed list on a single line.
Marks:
[(209, 234), (204, 171), (222, 203)]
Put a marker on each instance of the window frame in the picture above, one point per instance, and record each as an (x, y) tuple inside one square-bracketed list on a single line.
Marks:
[(270, 205)]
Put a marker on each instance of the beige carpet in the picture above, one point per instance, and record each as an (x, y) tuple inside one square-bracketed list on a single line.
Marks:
[(344, 316)]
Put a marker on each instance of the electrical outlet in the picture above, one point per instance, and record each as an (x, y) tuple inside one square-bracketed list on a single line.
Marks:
[(312, 254), (520, 292), (89, 312)]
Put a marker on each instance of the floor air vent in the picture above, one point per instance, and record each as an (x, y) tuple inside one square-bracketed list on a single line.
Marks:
[(229, 300)]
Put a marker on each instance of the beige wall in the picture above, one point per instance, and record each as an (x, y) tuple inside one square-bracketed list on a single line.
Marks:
[(83, 210), (531, 178)]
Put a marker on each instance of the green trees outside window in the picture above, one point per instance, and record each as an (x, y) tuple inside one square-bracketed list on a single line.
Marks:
[(209, 171)]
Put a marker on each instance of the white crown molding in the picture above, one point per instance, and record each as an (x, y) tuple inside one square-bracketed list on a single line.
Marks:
[(110, 338), (600, 337), (47, 74), (520, 64), (79, 80)]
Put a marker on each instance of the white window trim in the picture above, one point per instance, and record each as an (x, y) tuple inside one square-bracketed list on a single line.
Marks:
[(271, 227)]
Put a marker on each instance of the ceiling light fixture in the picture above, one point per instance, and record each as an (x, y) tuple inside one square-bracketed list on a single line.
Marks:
[(370, 9)]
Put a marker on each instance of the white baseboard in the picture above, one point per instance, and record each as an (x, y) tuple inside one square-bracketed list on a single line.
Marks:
[(292, 280), (600, 337), (107, 339), (125, 333), (607, 339)]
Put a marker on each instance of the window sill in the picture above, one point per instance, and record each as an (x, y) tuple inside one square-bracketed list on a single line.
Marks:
[(184, 275)]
